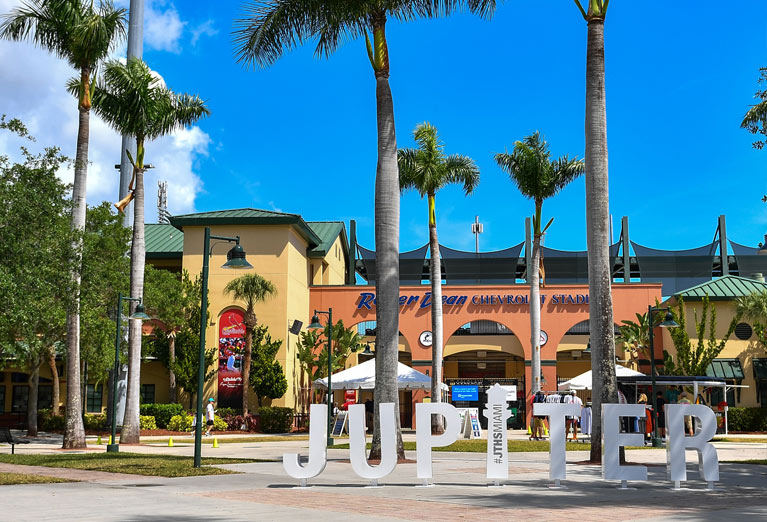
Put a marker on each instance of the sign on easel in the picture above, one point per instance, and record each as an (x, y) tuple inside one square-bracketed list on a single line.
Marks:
[(340, 424), (471, 428)]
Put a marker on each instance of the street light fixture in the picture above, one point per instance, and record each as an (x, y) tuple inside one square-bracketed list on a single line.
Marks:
[(235, 259), (668, 322), (315, 324), (140, 315)]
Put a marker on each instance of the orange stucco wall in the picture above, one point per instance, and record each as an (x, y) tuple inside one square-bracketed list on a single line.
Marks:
[(556, 318)]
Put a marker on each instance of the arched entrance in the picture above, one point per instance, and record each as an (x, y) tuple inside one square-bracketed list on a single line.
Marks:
[(480, 354)]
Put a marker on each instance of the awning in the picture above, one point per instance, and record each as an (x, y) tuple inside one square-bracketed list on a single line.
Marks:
[(584, 380), (725, 369), (760, 369), (363, 377)]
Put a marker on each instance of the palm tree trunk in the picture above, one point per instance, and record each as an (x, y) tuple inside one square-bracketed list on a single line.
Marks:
[(130, 433), (51, 356), (535, 313), (246, 366), (171, 362), (34, 381), (598, 234), (437, 425), (74, 432), (387, 195)]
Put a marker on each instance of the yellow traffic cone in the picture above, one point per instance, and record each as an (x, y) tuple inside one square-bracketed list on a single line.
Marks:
[(215, 442), (529, 431), (545, 431), (110, 440), (170, 442), (98, 440)]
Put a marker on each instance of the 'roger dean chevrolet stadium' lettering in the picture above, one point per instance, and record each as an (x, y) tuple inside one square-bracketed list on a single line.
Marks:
[(368, 300)]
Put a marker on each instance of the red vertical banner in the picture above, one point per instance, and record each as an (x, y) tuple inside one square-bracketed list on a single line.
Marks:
[(231, 346)]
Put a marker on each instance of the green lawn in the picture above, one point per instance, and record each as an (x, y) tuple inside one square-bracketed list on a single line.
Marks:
[(754, 440), (245, 439), (760, 462), (8, 479), (480, 446), (135, 463)]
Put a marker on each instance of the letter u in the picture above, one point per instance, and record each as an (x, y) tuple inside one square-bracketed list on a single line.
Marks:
[(357, 450)]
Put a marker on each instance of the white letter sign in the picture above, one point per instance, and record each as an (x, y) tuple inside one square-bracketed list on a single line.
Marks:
[(425, 441), (497, 448), (357, 450), (556, 413), (318, 446), (708, 462), (614, 439)]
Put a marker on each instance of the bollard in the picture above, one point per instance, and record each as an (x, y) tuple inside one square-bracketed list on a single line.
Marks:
[(170, 442), (215, 442)]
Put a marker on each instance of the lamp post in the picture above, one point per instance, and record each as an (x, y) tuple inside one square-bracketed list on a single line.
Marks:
[(668, 322), (314, 325), (139, 314), (235, 259)]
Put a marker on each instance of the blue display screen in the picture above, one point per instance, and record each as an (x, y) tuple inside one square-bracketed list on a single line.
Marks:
[(465, 393)]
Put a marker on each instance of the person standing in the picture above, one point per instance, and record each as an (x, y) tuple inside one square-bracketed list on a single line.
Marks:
[(684, 399), (573, 421), (210, 414), (660, 404)]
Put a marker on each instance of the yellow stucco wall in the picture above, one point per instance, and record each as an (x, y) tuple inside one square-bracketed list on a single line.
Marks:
[(745, 350)]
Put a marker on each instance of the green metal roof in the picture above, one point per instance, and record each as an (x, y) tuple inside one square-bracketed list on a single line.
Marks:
[(726, 288), (327, 231), (163, 241), (725, 368), (248, 216)]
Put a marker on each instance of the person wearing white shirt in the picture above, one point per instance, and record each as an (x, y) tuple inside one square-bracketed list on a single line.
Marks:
[(572, 398), (210, 414)]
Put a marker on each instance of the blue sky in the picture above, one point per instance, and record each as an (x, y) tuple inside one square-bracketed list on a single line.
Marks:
[(300, 135)]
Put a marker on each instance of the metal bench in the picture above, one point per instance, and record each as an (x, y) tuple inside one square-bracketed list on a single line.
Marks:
[(7, 436)]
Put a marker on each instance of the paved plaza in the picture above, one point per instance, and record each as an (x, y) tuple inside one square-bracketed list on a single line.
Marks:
[(262, 490)]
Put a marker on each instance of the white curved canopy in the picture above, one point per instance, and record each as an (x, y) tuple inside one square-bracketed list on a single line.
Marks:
[(583, 381), (363, 377)]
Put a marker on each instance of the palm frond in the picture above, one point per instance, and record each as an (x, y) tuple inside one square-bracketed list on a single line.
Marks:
[(251, 289), (463, 170)]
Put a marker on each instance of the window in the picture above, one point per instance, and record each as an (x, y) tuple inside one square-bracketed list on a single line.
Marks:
[(20, 397), (44, 396), (147, 394), (94, 394), (717, 396), (2, 399)]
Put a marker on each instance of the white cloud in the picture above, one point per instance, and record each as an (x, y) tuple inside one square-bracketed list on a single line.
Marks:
[(37, 96), (163, 27), (204, 29)]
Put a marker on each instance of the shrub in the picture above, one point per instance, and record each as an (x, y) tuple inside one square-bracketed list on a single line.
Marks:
[(147, 422), (276, 419), (226, 412), (50, 422), (95, 422), (180, 423), (235, 422), (162, 413), (747, 419), (219, 424)]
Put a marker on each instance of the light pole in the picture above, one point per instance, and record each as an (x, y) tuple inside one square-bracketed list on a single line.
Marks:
[(139, 314), (314, 325), (668, 322), (235, 258)]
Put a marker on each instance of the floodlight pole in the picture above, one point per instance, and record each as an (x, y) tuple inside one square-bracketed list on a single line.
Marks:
[(329, 313), (657, 442)]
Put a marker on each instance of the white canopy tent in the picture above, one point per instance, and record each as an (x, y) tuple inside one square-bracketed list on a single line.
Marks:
[(363, 377), (583, 381)]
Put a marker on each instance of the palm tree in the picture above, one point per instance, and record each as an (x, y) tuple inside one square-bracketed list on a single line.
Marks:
[(537, 177), (753, 307), (755, 120), (251, 288), (605, 385), (270, 27), (83, 34), (427, 170), (134, 101)]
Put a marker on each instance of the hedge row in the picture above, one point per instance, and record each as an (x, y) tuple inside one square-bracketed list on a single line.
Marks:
[(162, 413), (747, 419)]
